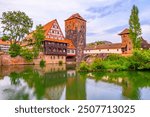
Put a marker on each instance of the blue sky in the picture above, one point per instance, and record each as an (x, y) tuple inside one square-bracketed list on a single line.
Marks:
[(105, 18)]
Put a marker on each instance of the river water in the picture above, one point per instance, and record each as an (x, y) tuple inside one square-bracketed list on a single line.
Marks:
[(61, 82)]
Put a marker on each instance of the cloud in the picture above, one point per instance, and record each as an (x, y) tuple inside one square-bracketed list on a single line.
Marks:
[(116, 29), (105, 18)]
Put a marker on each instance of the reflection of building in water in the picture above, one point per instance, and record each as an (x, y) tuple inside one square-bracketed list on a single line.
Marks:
[(55, 92), (129, 89), (51, 68), (118, 81), (7, 70), (75, 87), (71, 73), (54, 83)]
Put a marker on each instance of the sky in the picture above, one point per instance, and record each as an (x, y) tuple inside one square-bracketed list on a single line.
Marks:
[(105, 18)]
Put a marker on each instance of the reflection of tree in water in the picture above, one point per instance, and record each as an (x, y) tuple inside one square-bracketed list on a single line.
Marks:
[(131, 82), (49, 85), (75, 87)]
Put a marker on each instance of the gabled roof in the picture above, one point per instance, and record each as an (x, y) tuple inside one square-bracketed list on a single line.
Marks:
[(125, 31), (77, 15)]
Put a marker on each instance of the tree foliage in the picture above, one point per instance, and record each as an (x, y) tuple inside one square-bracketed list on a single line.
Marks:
[(14, 50), (16, 25), (135, 28), (38, 36)]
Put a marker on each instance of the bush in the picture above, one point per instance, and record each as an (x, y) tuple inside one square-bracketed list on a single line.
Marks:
[(140, 60), (97, 65), (84, 66), (42, 63), (27, 54), (60, 62), (35, 52), (14, 50)]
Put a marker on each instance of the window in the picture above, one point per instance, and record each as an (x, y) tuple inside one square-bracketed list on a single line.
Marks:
[(68, 51), (72, 51), (117, 49), (107, 49), (99, 50), (58, 57), (64, 50)]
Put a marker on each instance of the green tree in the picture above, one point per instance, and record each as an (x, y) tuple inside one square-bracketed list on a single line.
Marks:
[(135, 28), (16, 25), (38, 36)]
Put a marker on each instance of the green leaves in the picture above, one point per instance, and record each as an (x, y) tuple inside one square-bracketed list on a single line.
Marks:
[(16, 25), (135, 28), (14, 50), (39, 36)]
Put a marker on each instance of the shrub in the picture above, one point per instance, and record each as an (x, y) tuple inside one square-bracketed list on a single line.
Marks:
[(60, 62), (97, 64), (42, 63), (14, 50), (140, 60), (35, 52), (84, 66), (27, 54)]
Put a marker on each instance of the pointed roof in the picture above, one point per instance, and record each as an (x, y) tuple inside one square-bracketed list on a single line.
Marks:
[(125, 31), (74, 16), (48, 26)]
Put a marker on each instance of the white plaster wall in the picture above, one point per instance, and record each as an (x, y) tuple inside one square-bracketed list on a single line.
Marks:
[(115, 51)]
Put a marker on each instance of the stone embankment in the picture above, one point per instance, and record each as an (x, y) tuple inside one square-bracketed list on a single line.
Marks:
[(6, 59)]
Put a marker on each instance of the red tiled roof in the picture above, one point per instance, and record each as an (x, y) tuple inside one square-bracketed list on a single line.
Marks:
[(55, 40), (125, 31), (4, 42), (77, 15), (70, 44), (104, 46), (48, 26)]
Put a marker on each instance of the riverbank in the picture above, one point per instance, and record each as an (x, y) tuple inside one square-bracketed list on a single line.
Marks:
[(6, 59), (140, 60)]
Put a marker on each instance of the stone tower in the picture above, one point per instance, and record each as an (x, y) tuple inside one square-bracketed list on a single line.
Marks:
[(75, 29), (126, 45)]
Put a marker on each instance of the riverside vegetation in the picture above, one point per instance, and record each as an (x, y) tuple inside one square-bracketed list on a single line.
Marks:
[(140, 60)]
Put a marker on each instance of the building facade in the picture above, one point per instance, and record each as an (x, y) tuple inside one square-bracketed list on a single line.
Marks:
[(126, 44), (75, 29), (123, 48), (4, 46)]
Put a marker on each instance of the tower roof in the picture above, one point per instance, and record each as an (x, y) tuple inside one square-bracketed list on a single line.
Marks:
[(77, 15), (125, 31)]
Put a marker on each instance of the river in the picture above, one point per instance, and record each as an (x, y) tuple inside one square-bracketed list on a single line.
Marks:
[(61, 82)]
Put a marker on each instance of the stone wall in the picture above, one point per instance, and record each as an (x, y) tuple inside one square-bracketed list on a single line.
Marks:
[(8, 60)]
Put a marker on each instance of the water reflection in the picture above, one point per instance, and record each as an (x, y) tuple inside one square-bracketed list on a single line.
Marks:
[(55, 82)]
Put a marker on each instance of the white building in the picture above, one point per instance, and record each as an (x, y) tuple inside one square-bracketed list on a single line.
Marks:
[(4, 46), (104, 49)]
